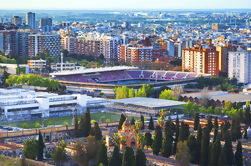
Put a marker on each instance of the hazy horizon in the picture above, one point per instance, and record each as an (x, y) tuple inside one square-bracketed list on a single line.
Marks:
[(127, 5)]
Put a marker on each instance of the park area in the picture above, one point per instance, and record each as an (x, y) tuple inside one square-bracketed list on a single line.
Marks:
[(98, 117)]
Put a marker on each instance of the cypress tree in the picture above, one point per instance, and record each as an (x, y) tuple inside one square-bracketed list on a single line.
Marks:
[(223, 157), (245, 133), (102, 155), (229, 148), (157, 142), (216, 126), (41, 146), (240, 115), (238, 155), (142, 121), (247, 115), (121, 121), (204, 158), (133, 121), (168, 141), (128, 158), (209, 124), (177, 130), (140, 158), (149, 140), (97, 132), (215, 134), (184, 132), (76, 125), (81, 127), (87, 123), (215, 152), (196, 121), (237, 129), (151, 124), (233, 136), (198, 143), (116, 157), (191, 143)]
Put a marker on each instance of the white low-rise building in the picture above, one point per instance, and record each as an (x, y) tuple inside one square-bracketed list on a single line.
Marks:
[(24, 104)]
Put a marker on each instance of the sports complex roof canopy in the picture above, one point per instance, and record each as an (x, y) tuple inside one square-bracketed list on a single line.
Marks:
[(145, 105), (93, 70)]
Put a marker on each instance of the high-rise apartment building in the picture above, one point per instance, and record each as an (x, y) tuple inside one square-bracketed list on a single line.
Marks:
[(16, 20), (8, 42), (201, 60), (134, 54), (67, 42), (45, 22), (38, 43), (23, 43), (239, 65), (126, 24), (30, 20)]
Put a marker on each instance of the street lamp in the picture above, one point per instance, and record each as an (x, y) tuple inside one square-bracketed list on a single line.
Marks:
[(73, 109), (43, 123), (101, 118)]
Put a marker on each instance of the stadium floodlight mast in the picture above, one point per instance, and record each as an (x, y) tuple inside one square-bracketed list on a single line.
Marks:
[(73, 109)]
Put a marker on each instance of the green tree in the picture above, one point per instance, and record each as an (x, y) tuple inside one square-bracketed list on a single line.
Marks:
[(128, 158), (201, 82), (184, 132), (25, 126), (216, 126), (131, 93), (196, 121), (223, 157), (149, 140), (209, 124), (204, 159), (121, 121), (30, 149), (238, 155), (240, 115), (133, 121), (215, 134), (102, 155), (65, 52), (98, 132), (215, 153), (247, 116), (50, 123), (198, 143), (41, 146), (140, 158), (177, 131), (229, 148), (59, 154), (37, 125), (247, 103), (157, 142), (183, 155), (167, 95), (87, 123), (151, 124), (237, 129), (101, 57), (191, 143), (142, 122), (168, 141), (116, 157), (76, 125)]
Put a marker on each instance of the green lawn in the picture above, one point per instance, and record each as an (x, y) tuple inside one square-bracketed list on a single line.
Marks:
[(61, 120)]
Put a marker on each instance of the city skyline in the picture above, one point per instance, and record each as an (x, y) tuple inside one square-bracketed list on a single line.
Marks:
[(129, 4)]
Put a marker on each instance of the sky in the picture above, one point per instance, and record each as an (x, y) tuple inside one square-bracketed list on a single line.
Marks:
[(124, 4)]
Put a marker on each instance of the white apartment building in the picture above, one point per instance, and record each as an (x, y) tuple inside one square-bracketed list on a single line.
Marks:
[(38, 43), (20, 104), (36, 64), (239, 65)]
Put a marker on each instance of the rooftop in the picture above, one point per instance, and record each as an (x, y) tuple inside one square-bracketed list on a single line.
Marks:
[(149, 102)]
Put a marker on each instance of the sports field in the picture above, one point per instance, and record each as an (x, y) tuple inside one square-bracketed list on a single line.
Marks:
[(60, 120)]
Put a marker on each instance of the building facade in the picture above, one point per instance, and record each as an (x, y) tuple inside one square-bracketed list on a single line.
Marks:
[(67, 42), (38, 43), (36, 64), (45, 22), (200, 60), (239, 65), (9, 42), (16, 20), (30, 20)]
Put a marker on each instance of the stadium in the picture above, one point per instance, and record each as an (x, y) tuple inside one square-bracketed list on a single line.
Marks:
[(110, 77)]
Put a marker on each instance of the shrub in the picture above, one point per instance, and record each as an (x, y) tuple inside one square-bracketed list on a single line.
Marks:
[(101, 93), (48, 155)]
